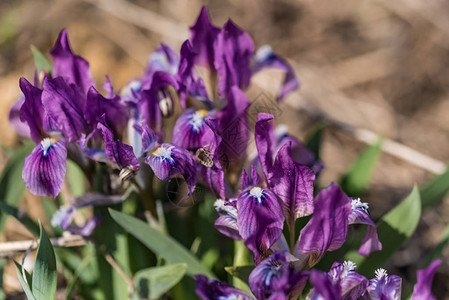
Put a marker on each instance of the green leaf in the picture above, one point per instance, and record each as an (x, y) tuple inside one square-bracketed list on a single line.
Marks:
[(357, 179), (313, 140), (11, 182), (433, 192), (241, 272), (394, 230), (436, 253), (44, 274), (42, 64), (21, 216), (160, 244), (23, 282), (75, 178), (154, 282)]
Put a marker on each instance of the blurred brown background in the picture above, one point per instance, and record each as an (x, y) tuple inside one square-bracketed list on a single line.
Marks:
[(380, 65)]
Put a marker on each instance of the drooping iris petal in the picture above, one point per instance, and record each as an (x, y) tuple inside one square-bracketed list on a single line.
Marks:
[(323, 286), (260, 219), (233, 127), (273, 276), (265, 142), (169, 161), (32, 111), (352, 284), (97, 105), (73, 68), (384, 286), (20, 127), (227, 221), (233, 51), (360, 215), (293, 183), (327, 229), (116, 151), (215, 290), (266, 58), (190, 129), (64, 104), (44, 169), (202, 37), (423, 288)]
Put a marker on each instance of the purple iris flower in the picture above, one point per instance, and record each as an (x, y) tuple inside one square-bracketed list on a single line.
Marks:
[(341, 282), (274, 277), (423, 288), (384, 286), (216, 290), (327, 229), (191, 131)]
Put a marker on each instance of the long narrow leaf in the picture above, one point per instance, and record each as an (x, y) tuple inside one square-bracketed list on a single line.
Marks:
[(44, 274), (23, 283), (160, 244), (21, 216), (433, 192)]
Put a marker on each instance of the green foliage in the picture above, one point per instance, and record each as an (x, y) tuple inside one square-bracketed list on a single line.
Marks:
[(42, 64), (433, 192), (241, 272), (394, 229), (161, 244), (75, 179), (152, 283), (357, 179), (42, 285), (314, 140)]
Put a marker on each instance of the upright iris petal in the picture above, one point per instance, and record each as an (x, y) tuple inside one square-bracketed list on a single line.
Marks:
[(163, 59), (44, 169), (190, 129), (32, 111), (226, 223), (352, 284), (73, 68), (384, 287), (265, 142), (168, 161), (423, 288), (327, 229), (360, 215)]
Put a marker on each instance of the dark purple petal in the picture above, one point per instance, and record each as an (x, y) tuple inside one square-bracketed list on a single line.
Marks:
[(227, 225), (323, 286), (190, 129), (64, 104), (293, 183), (360, 215), (423, 288), (266, 58), (215, 290), (233, 51), (260, 219), (185, 75), (97, 105), (384, 287), (202, 37), (73, 68), (327, 229), (20, 127), (233, 126), (116, 151), (250, 181), (352, 284), (44, 169), (169, 161), (163, 59), (32, 111), (265, 142), (149, 138)]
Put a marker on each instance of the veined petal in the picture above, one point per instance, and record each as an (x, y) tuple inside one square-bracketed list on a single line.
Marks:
[(149, 138), (163, 59), (185, 75), (97, 105), (266, 58), (352, 284), (227, 225), (64, 104), (260, 219), (327, 229), (265, 142), (32, 110), (190, 129), (233, 51), (360, 215), (73, 68), (423, 288), (202, 37), (20, 127), (384, 286), (44, 169), (293, 183), (323, 287), (169, 161), (215, 290)]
